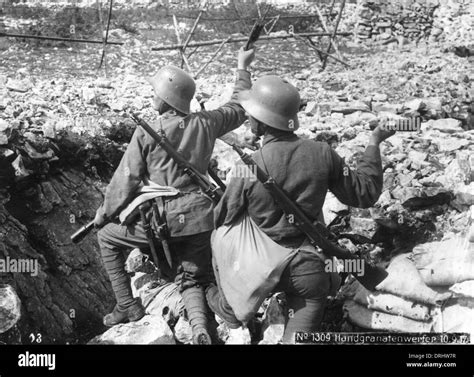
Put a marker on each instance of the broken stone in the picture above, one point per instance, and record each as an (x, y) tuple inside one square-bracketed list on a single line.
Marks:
[(433, 107), (4, 126), (464, 289), (427, 201), (19, 167), (6, 153), (88, 94), (183, 331), (332, 207), (151, 329), (385, 199), (49, 129), (448, 125), (417, 159), (414, 105), (50, 193), (3, 139), (349, 107), (239, 336), (405, 193), (379, 97), (10, 307), (450, 144), (464, 194), (363, 226), (118, 105), (34, 154), (135, 261), (311, 108), (273, 325), (379, 107), (21, 86)]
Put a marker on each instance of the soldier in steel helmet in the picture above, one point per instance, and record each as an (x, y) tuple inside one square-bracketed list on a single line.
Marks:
[(189, 213), (305, 169)]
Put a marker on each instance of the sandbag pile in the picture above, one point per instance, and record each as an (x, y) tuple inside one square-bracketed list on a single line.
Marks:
[(429, 290)]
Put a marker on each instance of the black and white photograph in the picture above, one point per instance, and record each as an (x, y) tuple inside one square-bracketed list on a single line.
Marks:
[(271, 184)]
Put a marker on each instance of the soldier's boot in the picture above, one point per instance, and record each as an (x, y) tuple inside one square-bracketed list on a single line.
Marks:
[(131, 313), (195, 303), (219, 306)]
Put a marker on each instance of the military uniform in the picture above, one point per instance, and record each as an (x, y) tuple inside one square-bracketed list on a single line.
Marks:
[(190, 214), (305, 170)]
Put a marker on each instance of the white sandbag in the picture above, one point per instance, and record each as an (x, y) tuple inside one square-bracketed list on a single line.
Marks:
[(464, 289), (445, 263), (375, 320), (404, 280), (391, 304), (151, 329), (10, 307), (457, 317), (248, 265)]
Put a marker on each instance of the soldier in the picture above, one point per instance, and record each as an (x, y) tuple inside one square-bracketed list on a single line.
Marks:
[(189, 214), (305, 169)]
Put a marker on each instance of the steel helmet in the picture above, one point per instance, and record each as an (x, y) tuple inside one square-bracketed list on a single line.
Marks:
[(274, 102), (175, 87)]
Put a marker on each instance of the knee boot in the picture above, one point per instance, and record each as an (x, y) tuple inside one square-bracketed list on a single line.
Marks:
[(196, 308)]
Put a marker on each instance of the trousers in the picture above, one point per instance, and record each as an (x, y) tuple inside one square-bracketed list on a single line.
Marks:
[(191, 257), (306, 286)]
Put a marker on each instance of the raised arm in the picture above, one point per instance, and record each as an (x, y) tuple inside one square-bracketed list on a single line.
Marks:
[(360, 187)]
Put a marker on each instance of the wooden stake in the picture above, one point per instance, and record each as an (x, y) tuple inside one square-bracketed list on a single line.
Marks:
[(334, 31), (106, 35), (323, 24), (327, 55), (244, 39), (184, 59), (211, 58)]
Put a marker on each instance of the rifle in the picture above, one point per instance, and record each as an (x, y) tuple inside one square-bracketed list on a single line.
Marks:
[(256, 30), (206, 185), (316, 233), (214, 192)]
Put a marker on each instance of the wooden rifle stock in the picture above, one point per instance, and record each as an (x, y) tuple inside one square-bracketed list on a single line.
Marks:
[(82, 232), (372, 276)]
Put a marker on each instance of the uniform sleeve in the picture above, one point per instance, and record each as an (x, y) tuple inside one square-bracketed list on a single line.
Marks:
[(126, 179), (231, 115), (360, 187), (234, 201)]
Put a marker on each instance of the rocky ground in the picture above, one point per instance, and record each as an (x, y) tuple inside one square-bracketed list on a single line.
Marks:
[(63, 128)]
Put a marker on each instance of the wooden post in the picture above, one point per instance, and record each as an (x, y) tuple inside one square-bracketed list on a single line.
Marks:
[(334, 32), (244, 39), (327, 55), (211, 58), (106, 36), (323, 24), (178, 37)]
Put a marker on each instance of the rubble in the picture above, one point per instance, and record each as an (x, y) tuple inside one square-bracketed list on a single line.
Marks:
[(10, 307), (62, 134), (151, 329)]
